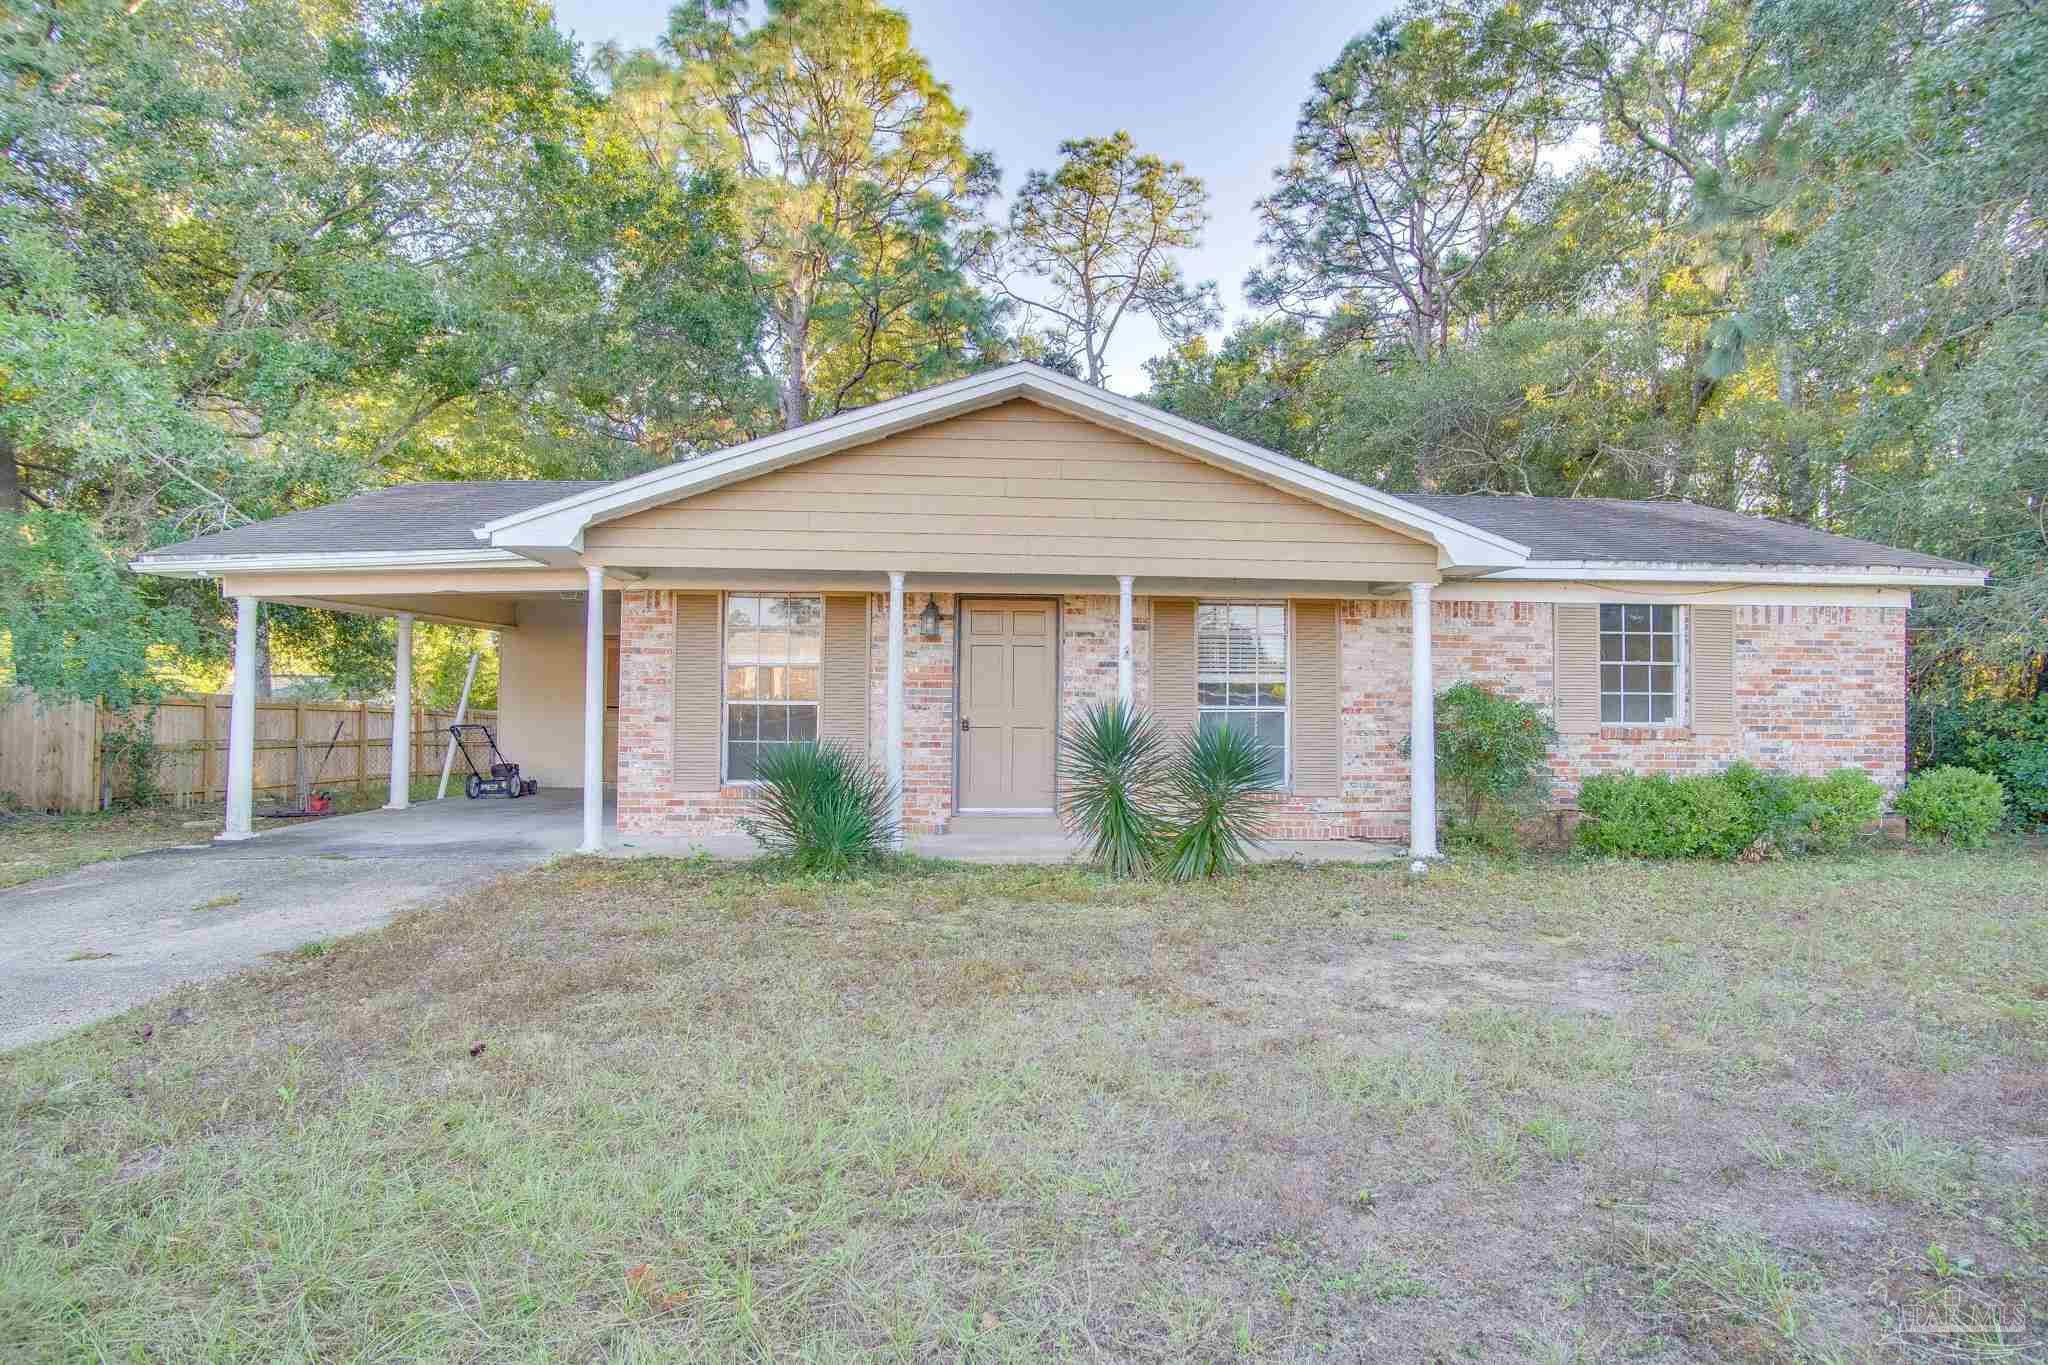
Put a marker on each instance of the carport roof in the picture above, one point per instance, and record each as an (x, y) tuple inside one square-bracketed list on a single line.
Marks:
[(412, 517)]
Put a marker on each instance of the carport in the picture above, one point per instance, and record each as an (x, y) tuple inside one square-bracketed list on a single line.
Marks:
[(410, 554)]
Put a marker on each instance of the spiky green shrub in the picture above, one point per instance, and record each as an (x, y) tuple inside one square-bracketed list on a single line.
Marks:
[(1112, 762), (823, 806), (1215, 789)]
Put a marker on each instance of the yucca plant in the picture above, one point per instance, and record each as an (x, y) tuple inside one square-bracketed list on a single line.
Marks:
[(823, 806), (1214, 786), (1112, 761)]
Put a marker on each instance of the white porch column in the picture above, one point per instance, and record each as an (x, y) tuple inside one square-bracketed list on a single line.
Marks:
[(1421, 732), (892, 754), (1123, 639), (593, 711), (401, 720), (241, 777)]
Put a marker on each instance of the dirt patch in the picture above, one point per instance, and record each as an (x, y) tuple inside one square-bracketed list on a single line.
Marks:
[(1428, 981)]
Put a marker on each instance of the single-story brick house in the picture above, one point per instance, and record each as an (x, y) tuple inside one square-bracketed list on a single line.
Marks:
[(941, 577)]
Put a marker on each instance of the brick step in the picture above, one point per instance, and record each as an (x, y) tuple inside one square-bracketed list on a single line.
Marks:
[(1003, 824)]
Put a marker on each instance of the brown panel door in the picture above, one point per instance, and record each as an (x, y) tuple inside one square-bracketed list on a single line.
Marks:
[(1009, 698)]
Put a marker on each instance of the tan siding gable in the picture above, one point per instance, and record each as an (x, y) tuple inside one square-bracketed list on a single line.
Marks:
[(1013, 488)]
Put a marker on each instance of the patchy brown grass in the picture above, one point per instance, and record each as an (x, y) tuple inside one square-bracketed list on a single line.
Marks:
[(657, 1109), (34, 845)]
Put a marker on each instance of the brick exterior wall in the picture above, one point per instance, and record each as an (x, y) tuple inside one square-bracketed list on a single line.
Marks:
[(1817, 688)]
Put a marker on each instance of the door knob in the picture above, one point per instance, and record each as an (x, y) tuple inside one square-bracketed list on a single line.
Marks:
[(966, 724)]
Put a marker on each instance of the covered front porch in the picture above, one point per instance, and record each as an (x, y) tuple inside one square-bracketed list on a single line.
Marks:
[(565, 648)]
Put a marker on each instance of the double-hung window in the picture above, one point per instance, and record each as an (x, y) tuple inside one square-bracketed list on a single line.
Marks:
[(772, 644), (1641, 674), (1241, 672)]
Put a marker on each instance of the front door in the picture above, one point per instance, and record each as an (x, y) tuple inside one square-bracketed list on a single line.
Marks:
[(1009, 698)]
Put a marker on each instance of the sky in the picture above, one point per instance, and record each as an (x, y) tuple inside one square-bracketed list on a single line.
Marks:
[(1218, 91)]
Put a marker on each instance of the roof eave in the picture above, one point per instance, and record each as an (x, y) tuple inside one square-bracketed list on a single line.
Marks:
[(1617, 571), (215, 566)]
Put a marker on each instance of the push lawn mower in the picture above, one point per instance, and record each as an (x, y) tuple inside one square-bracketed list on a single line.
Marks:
[(489, 773)]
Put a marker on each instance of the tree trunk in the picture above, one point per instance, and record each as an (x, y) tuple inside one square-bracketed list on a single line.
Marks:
[(10, 477), (263, 655), (796, 329)]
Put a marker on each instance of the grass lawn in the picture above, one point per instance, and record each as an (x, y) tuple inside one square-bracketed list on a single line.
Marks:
[(637, 1110), (34, 845)]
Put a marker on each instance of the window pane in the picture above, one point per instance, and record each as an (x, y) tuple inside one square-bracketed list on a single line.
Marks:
[(741, 614), (774, 722), (1661, 618), (743, 722), (1660, 708), (1635, 708), (739, 762), (1638, 649), (803, 683), (803, 723), (806, 617), (1241, 667), (1610, 707), (1610, 677), (1638, 617), (1610, 648), (1662, 679), (1663, 648), (740, 684), (1635, 678), (1610, 617)]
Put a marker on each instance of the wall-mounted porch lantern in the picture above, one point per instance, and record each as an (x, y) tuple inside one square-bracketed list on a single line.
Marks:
[(928, 619)]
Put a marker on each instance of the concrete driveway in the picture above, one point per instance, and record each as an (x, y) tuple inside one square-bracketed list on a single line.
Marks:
[(111, 936), (186, 914)]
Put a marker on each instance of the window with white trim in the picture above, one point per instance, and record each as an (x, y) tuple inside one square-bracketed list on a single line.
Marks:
[(772, 644), (1641, 670), (1241, 672)]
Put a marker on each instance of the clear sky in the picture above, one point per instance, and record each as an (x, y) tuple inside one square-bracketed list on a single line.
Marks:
[(1218, 91)]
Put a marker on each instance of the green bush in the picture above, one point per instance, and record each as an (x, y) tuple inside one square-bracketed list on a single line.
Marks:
[(1490, 758), (823, 806), (1662, 817), (1786, 813), (1743, 811), (2007, 739), (1112, 762), (1959, 805), (1216, 786)]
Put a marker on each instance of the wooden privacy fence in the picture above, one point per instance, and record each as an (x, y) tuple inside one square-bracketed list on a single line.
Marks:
[(50, 756)]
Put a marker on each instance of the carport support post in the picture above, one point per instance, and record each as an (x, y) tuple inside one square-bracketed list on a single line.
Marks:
[(241, 775), (892, 755), (593, 711), (1421, 732), (1123, 639), (401, 720)]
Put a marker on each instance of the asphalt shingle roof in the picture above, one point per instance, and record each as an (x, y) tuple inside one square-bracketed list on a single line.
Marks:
[(1620, 531), (440, 516), (412, 516)]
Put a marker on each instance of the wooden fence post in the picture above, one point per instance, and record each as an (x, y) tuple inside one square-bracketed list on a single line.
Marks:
[(362, 747)]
